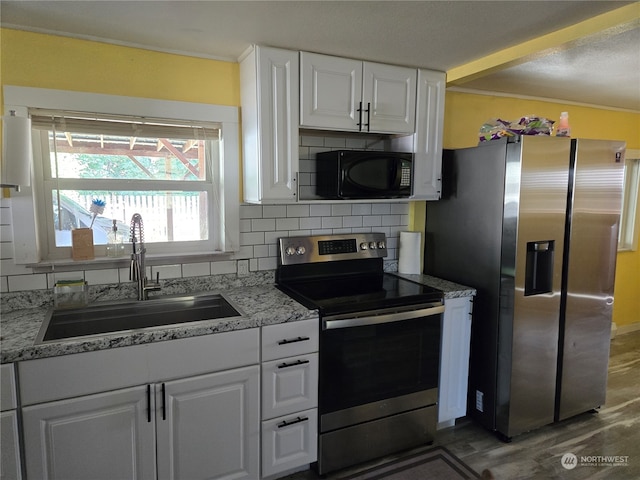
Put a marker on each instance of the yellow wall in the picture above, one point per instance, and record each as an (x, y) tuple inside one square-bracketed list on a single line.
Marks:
[(465, 113), (46, 61)]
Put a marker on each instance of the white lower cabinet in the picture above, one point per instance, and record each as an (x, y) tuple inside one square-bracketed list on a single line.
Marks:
[(199, 428), (102, 437), (9, 446), (289, 442), (10, 468), (289, 396), (454, 360), (181, 409)]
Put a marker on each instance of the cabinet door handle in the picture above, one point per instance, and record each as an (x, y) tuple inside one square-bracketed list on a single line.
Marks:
[(360, 117), (292, 340), (293, 364), (149, 403), (292, 422), (164, 403), (368, 117)]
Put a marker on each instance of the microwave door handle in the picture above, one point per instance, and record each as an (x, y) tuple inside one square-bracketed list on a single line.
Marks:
[(398, 176)]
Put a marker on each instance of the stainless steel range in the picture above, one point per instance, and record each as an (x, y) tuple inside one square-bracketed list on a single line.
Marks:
[(379, 346)]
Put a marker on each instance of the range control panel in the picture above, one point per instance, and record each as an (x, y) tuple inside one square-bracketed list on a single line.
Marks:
[(331, 248)]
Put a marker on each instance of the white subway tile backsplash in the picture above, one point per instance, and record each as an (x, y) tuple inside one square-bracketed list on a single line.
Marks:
[(166, 271), (340, 209), (246, 251), (381, 208), (331, 222), (390, 220), (98, 277), (318, 210), (261, 251), (399, 208), (297, 210), (274, 211), (263, 225), (36, 281), (361, 209), (372, 221), (310, 223), (6, 233), (224, 267), (353, 221), (196, 269), (245, 225), (269, 263), (252, 238), (335, 142), (4, 286), (272, 237), (287, 224), (251, 211), (312, 140)]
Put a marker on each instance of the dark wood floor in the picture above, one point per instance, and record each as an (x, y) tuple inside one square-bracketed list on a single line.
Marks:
[(613, 431)]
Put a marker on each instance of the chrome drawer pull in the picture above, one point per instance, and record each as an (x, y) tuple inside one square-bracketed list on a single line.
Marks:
[(293, 364), (293, 340), (292, 422)]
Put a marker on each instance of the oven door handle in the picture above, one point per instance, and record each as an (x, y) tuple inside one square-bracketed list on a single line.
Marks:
[(382, 316)]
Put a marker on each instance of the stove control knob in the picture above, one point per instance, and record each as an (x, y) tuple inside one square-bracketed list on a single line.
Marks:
[(372, 245), (381, 245), (364, 246), (300, 250), (289, 251)]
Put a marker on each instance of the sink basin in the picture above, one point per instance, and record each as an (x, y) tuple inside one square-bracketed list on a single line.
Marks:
[(105, 319)]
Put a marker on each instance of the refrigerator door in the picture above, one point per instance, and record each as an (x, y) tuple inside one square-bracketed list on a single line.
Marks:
[(590, 271), (531, 276)]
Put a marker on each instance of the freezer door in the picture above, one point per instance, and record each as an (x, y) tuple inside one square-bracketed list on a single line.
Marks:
[(590, 271), (531, 276)]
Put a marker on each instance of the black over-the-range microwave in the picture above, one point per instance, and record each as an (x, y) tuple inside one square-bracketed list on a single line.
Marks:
[(347, 174)]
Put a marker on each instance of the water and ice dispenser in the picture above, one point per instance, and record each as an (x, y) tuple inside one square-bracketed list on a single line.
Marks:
[(539, 268)]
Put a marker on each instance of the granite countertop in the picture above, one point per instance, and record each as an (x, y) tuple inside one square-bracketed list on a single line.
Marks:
[(260, 305), (450, 289)]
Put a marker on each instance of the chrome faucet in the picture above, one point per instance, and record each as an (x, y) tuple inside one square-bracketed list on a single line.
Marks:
[(137, 270)]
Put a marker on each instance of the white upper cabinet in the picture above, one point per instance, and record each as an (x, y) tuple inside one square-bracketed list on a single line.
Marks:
[(351, 95), (427, 141), (269, 94)]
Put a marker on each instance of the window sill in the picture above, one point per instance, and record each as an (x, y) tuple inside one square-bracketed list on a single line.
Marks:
[(99, 263)]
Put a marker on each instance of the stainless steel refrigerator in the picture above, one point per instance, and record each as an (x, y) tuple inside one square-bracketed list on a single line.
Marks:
[(532, 224)]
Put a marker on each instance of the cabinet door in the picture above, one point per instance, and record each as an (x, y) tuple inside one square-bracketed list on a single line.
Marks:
[(289, 442), (209, 426), (270, 94), (427, 163), (389, 96), (9, 447), (101, 437), (330, 92), (454, 360), (289, 385)]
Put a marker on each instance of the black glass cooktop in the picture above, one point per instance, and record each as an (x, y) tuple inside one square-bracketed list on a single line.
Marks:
[(353, 293)]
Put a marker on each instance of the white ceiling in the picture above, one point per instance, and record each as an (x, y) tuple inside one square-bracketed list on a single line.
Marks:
[(601, 69)]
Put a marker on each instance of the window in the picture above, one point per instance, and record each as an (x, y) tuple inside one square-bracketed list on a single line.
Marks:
[(178, 170), (628, 239)]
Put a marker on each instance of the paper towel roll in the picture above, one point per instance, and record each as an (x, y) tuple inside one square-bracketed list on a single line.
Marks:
[(409, 253)]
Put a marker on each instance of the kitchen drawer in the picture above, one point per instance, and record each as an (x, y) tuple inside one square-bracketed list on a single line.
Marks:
[(289, 385), (289, 442), (7, 387), (289, 339)]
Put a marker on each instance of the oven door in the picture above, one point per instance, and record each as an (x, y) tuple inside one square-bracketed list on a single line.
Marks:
[(376, 364)]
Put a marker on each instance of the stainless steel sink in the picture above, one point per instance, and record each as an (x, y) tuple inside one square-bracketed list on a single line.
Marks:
[(107, 319)]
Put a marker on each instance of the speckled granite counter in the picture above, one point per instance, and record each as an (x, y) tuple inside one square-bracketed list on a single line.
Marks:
[(261, 305), (260, 301), (450, 289)]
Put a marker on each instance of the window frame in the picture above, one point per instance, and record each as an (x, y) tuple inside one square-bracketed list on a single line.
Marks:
[(628, 238), (33, 249)]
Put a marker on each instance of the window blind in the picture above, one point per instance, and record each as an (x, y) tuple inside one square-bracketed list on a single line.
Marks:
[(101, 124)]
